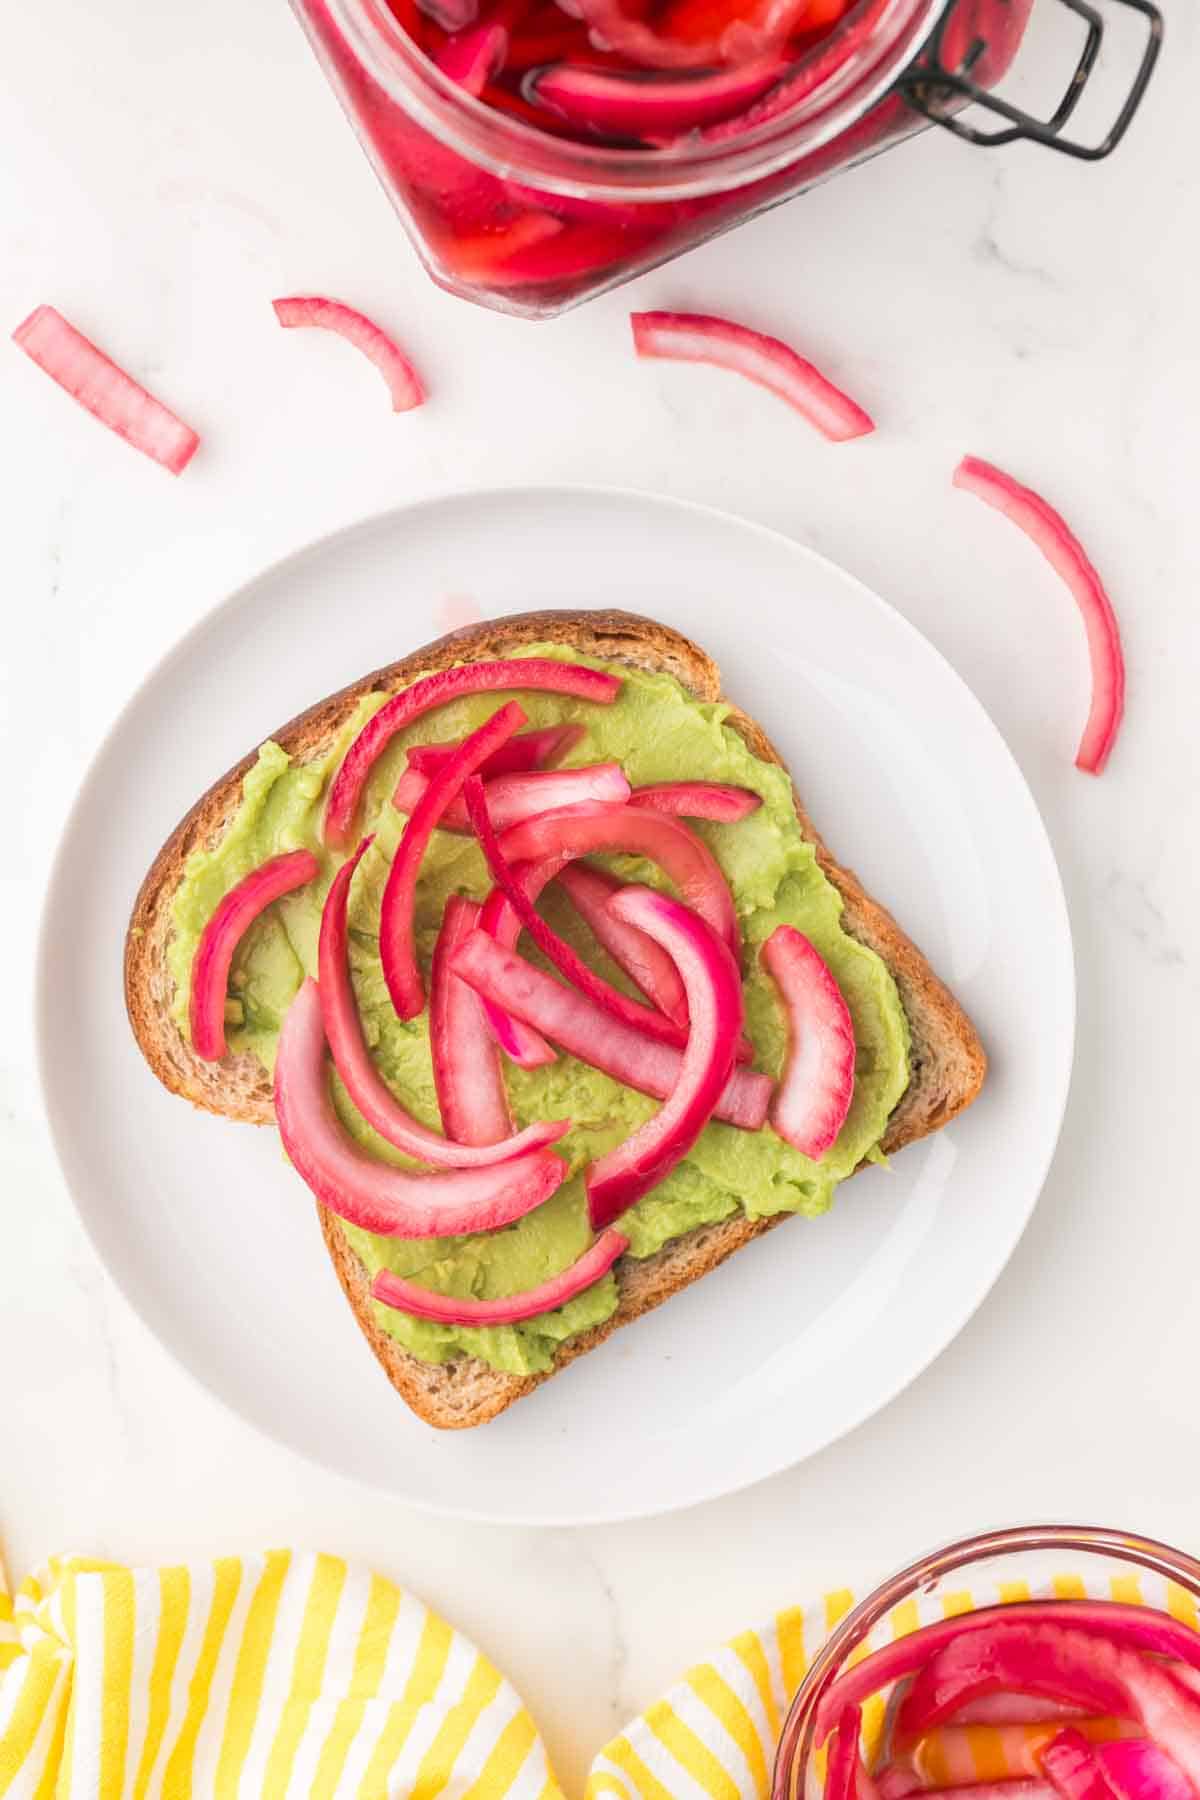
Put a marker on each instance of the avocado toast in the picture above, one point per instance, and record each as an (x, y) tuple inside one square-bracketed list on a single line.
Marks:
[(922, 1063)]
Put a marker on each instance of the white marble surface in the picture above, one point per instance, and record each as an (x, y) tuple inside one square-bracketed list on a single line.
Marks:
[(163, 172)]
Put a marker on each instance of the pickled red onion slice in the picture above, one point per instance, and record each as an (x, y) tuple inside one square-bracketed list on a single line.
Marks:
[(472, 57), (634, 106), (618, 1179), (1074, 1770), (539, 674), (593, 1036), (645, 962), (1137, 1627), (403, 382), (1069, 560), (362, 1080), (528, 750), (372, 1194), (466, 1066), (516, 891), (224, 932), (397, 949), (647, 965), (105, 390), (716, 800), (814, 1095), (683, 857), (1013, 1709), (423, 1303), (1139, 1770), (698, 337), (1049, 1660), (759, 29), (512, 798), (843, 1756)]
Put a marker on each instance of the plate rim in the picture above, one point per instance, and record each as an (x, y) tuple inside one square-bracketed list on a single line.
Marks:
[(546, 493)]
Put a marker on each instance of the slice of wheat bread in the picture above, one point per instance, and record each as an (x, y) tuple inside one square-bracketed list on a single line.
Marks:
[(947, 1059)]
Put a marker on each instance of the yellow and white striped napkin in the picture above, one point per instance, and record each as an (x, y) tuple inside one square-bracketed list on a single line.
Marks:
[(260, 1676), (292, 1675)]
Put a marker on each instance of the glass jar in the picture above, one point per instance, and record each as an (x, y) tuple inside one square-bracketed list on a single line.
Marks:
[(530, 223), (1034, 1562)]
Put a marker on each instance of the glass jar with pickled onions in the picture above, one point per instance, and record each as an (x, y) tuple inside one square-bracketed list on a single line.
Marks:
[(541, 151), (1040, 1663)]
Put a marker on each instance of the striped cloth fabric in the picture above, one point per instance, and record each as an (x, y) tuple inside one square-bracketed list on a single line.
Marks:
[(713, 1736), (259, 1676), (288, 1675)]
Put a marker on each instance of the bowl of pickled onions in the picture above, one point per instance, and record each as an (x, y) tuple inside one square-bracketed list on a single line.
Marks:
[(1040, 1663)]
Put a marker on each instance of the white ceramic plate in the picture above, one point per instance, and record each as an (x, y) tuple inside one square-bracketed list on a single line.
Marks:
[(214, 1240)]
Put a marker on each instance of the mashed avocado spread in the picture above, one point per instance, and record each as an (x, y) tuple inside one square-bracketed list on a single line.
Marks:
[(657, 733)]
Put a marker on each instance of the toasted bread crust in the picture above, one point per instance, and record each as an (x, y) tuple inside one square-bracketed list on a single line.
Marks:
[(947, 1060)]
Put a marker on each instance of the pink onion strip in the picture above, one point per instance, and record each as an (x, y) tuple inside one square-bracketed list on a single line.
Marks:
[(448, 1309), (1049, 531), (404, 384), (102, 388), (362, 1080), (397, 949), (224, 932), (701, 338), (535, 674), (374, 1195)]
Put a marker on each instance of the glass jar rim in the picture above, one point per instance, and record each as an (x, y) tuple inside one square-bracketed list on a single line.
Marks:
[(1127, 1546), (514, 150)]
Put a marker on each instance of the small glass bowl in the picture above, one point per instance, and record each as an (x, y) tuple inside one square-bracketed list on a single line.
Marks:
[(1033, 1561)]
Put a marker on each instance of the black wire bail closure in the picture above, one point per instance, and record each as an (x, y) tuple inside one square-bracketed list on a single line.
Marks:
[(939, 93)]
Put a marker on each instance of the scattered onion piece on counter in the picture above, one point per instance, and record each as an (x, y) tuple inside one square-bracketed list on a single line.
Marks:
[(814, 1095), (105, 390), (466, 1065), (220, 938), (518, 887), (448, 1309), (528, 750), (635, 106), (715, 800), (593, 1036), (698, 337), (362, 1080), (397, 948), (512, 798), (375, 1195), (1134, 1627), (518, 674), (402, 379), (619, 1178), (1067, 557)]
